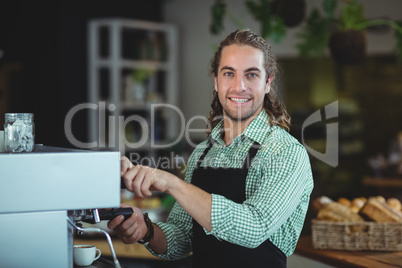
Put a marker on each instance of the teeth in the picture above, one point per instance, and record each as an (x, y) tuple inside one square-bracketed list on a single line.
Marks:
[(239, 100)]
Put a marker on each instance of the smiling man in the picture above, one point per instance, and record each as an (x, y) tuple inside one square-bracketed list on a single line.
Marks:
[(247, 187), (241, 84)]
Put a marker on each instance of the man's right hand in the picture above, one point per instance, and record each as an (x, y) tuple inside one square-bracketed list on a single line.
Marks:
[(142, 180), (131, 230)]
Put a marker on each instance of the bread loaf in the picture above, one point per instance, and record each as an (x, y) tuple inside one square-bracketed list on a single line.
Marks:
[(321, 202), (338, 213), (358, 202), (344, 201), (394, 203), (379, 211), (380, 198)]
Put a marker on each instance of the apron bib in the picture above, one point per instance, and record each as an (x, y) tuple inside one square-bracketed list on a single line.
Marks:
[(209, 251)]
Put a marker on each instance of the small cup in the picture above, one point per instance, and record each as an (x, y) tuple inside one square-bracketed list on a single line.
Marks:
[(85, 255)]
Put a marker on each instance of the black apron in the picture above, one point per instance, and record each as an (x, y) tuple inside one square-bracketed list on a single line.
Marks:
[(208, 251)]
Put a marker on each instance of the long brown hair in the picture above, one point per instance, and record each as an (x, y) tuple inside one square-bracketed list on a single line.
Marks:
[(273, 107)]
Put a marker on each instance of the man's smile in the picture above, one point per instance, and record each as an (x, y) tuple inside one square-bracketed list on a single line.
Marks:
[(239, 100)]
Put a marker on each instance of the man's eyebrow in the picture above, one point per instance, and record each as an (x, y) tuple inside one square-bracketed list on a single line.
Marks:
[(247, 70), (227, 68), (253, 69)]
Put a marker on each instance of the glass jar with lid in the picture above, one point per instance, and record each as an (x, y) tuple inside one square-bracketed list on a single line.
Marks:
[(19, 132)]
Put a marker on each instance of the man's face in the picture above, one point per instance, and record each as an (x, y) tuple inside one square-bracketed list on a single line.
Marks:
[(241, 82)]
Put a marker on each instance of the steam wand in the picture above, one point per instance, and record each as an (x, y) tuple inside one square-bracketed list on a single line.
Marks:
[(109, 240)]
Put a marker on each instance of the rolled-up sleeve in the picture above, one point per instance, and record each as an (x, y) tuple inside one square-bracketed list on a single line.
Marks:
[(177, 230)]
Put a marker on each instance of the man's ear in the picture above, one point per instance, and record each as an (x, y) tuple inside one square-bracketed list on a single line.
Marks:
[(216, 83), (268, 85)]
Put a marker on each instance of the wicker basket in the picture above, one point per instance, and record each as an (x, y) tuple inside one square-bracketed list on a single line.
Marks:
[(357, 236)]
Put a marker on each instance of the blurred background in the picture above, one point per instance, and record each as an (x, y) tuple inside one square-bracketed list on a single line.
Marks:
[(124, 56)]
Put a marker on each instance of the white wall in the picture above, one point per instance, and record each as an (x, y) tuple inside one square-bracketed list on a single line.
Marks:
[(193, 19)]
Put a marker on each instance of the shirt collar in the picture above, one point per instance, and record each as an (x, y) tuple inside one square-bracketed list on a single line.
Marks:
[(256, 130)]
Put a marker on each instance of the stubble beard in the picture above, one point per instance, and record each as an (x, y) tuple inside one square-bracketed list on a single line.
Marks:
[(237, 115)]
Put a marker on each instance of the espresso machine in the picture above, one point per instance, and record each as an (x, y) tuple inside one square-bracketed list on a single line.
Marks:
[(44, 195)]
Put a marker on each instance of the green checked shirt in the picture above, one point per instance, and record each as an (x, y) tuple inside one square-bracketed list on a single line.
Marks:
[(278, 188)]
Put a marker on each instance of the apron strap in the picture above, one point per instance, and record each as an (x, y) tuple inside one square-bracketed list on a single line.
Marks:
[(251, 154), (203, 155)]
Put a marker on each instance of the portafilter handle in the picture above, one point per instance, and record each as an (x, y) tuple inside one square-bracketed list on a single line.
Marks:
[(97, 215), (109, 214)]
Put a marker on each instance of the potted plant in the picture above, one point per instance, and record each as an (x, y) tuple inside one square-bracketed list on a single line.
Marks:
[(344, 36), (135, 84), (274, 16)]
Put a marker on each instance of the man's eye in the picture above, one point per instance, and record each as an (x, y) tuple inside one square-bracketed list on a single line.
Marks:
[(252, 75), (228, 74)]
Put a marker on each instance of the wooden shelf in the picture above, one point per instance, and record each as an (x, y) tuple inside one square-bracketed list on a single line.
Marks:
[(340, 258), (383, 182)]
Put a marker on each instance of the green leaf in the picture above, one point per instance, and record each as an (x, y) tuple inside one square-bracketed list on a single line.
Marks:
[(140, 75), (314, 36), (329, 7), (398, 45), (277, 29), (352, 15), (218, 11), (272, 26)]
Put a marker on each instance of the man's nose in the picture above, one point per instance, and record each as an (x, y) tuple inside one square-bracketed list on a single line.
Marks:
[(239, 84)]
